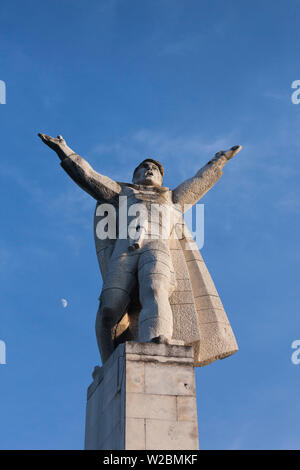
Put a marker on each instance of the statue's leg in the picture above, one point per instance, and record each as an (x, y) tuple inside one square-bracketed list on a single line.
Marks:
[(115, 297), (113, 305), (156, 318)]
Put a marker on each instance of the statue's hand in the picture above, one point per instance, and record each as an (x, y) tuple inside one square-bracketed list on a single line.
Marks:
[(57, 144), (229, 153)]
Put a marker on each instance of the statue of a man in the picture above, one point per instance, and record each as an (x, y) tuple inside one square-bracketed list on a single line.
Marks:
[(155, 288)]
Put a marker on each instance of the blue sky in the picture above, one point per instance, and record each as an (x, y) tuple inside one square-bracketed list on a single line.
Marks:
[(176, 80)]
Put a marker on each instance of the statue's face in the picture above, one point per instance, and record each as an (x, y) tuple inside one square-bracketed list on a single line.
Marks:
[(148, 173)]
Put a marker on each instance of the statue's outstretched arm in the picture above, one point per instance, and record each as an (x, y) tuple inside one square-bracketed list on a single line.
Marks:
[(98, 186), (191, 190)]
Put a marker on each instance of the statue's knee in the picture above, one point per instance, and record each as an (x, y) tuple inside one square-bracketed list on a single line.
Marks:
[(113, 302), (155, 290), (158, 287)]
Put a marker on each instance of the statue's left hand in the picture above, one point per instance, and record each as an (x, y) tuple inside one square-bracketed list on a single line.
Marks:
[(229, 153), (57, 144)]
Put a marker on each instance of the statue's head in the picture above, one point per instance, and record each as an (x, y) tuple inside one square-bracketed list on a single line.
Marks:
[(149, 172)]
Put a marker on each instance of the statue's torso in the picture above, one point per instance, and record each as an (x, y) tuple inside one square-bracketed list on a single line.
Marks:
[(132, 206), (144, 202)]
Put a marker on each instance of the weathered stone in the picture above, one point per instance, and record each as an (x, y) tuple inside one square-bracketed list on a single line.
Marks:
[(151, 349), (186, 408), (135, 377), (145, 405), (171, 435), (169, 380), (156, 260), (135, 434), (141, 394)]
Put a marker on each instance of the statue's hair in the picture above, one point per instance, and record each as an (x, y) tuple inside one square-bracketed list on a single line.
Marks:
[(156, 162)]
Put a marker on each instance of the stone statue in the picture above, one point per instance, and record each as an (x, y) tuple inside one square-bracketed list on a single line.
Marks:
[(156, 286)]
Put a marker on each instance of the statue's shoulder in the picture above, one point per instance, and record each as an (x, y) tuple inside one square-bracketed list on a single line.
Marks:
[(127, 187)]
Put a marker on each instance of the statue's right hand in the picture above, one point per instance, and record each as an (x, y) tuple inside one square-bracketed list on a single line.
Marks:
[(55, 144)]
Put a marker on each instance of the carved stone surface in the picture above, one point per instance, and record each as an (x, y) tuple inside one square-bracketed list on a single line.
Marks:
[(156, 286), (143, 398)]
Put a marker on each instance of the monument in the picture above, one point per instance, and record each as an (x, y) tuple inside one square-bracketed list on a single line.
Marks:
[(159, 314)]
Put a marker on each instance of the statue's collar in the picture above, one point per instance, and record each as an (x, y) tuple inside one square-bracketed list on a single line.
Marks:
[(145, 187)]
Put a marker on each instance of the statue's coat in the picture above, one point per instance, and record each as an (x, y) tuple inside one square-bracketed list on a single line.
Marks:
[(198, 314)]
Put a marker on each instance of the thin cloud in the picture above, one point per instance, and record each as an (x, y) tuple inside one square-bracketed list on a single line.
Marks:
[(26, 184), (74, 205), (289, 202), (277, 96), (170, 149), (189, 43)]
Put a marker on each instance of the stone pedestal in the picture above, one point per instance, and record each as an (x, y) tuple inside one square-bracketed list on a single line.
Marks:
[(143, 398)]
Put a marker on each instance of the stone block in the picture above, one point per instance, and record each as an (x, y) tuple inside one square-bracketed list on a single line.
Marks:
[(164, 379), (143, 398), (135, 377), (186, 408), (143, 405), (135, 434), (170, 435)]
